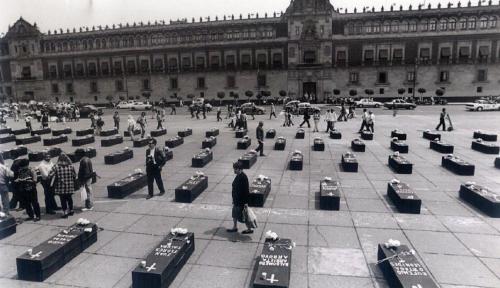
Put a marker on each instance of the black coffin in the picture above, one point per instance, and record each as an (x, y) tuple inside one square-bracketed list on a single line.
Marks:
[(141, 142), (14, 153), (329, 195), (274, 264), (84, 140), (108, 132), (164, 263), (244, 143), (335, 134), (41, 131), (192, 188), (201, 159), (319, 145), (28, 140), (111, 141), (158, 133), (84, 132), (349, 162), (367, 135), (6, 130), (7, 138), (185, 133), (358, 145), (497, 162), (270, 134), (296, 162), (55, 140), (457, 165), (118, 157), (37, 156), (20, 131), (481, 198), (403, 271), (431, 135), (259, 190), (398, 134), (127, 134), (485, 148), (127, 186), (248, 160), (400, 165), (404, 198), (7, 226), (301, 134), (280, 144), (441, 147), (81, 152), (212, 133), (59, 132), (174, 142), (51, 255), (240, 133), (399, 146), (209, 142), (491, 137)]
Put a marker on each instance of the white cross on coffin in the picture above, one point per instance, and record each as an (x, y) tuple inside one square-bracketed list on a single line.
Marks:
[(152, 267), (36, 255), (272, 280)]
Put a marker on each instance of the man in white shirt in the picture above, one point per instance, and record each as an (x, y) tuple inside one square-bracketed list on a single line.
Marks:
[(364, 124), (44, 167), (5, 174), (328, 119), (370, 121)]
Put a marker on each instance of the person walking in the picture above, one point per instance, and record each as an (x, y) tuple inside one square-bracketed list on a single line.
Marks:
[(260, 138), (442, 118), (240, 194), (253, 111), (142, 123), (155, 160), (273, 111), (99, 124), (370, 122), (289, 117), (364, 122), (27, 120), (159, 119), (85, 175), (44, 167), (334, 119), (174, 110), (343, 114), (77, 114), (306, 119), (63, 176), (328, 120), (45, 120), (116, 120), (316, 118), (5, 175), (204, 108), (26, 182), (131, 127), (218, 114)]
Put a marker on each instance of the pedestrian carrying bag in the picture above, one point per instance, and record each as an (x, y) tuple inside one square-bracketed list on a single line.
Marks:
[(250, 218)]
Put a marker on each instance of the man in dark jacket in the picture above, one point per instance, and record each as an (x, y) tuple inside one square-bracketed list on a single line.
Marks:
[(85, 175), (240, 193), (442, 118), (306, 119), (155, 159), (260, 139)]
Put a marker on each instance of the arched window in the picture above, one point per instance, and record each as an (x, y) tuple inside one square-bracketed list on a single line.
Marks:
[(358, 28), (493, 22), (424, 25), (376, 27), (65, 46), (483, 23), (368, 28), (395, 26), (104, 43), (443, 25), (350, 28), (472, 23), (452, 24), (387, 27), (433, 25), (463, 24), (404, 26), (131, 41), (91, 43), (413, 26)]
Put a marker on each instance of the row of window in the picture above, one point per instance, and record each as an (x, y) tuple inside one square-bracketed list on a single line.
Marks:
[(158, 65), (443, 77), (155, 40), (146, 84), (424, 25)]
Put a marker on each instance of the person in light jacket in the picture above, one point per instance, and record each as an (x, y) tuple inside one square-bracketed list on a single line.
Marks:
[(240, 194), (44, 167), (5, 175)]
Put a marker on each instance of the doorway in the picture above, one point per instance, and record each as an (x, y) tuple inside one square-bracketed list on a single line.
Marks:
[(309, 92)]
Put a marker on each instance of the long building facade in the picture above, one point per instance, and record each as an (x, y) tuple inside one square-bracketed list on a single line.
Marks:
[(311, 50)]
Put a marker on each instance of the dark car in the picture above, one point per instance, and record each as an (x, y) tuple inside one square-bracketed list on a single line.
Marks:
[(87, 109), (399, 104)]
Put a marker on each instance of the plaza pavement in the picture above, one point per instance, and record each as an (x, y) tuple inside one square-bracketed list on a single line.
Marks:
[(458, 245)]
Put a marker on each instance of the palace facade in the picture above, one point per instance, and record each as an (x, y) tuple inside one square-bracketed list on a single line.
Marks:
[(311, 50)]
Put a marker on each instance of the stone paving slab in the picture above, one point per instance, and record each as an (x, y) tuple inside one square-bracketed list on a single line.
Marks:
[(457, 243)]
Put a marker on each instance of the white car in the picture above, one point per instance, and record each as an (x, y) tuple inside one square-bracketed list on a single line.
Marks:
[(141, 106), (368, 103), (482, 105), (125, 104)]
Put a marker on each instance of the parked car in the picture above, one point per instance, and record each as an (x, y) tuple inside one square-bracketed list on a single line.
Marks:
[(292, 105), (399, 104), (249, 107), (87, 109), (125, 104), (368, 103), (307, 106), (141, 106), (482, 105)]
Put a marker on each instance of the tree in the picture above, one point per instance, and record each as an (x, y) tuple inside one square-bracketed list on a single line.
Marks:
[(110, 99), (146, 95), (439, 92), (353, 92), (249, 94), (121, 98), (221, 96), (260, 95), (401, 91), (336, 92), (369, 92), (282, 93), (137, 97)]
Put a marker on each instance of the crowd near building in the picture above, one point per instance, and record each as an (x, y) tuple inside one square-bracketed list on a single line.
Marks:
[(312, 50)]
